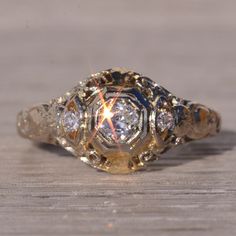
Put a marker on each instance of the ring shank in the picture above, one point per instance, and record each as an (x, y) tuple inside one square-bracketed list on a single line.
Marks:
[(38, 123), (203, 121)]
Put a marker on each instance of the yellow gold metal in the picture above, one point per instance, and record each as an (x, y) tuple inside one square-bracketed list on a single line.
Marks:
[(117, 121)]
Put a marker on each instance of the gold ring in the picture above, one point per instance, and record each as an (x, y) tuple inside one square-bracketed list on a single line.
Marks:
[(118, 121)]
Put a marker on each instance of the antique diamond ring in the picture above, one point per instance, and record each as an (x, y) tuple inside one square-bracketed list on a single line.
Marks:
[(117, 121)]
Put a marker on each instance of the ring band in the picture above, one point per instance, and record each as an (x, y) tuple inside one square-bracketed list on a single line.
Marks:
[(117, 121)]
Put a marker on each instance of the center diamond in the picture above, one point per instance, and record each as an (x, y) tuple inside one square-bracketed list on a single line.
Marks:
[(118, 119)]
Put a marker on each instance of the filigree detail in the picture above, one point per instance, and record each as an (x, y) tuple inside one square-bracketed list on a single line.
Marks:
[(118, 121)]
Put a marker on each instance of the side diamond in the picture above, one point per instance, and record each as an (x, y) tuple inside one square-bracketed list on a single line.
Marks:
[(165, 120), (71, 121)]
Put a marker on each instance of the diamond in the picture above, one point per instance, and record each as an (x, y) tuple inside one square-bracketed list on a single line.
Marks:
[(119, 120), (165, 120), (71, 121)]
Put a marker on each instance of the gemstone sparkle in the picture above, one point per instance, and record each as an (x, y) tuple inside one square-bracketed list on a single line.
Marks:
[(71, 121), (165, 120), (119, 120)]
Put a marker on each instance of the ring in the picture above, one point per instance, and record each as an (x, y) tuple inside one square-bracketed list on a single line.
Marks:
[(118, 121)]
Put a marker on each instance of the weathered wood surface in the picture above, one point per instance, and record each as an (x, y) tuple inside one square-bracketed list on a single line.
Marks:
[(47, 46)]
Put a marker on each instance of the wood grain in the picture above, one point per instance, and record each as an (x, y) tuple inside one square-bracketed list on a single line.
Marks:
[(46, 47)]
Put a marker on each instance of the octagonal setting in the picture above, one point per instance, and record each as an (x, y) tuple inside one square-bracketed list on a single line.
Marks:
[(119, 137), (116, 121)]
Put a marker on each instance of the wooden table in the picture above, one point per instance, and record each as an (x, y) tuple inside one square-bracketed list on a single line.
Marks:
[(46, 47)]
